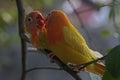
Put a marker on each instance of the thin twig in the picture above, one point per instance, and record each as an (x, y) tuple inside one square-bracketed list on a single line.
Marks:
[(91, 62), (41, 68), (84, 65), (21, 12)]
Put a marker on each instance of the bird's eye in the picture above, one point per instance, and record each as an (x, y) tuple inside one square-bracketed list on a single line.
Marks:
[(29, 19), (49, 14)]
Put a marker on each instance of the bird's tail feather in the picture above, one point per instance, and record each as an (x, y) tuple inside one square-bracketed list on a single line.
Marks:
[(100, 68), (97, 68)]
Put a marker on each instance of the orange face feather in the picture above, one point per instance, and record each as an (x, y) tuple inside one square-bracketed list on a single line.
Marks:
[(34, 22), (56, 32)]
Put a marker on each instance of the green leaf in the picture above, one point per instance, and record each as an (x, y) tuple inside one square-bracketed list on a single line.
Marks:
[(105, 32), (108, 76), (112, 62), (108, 50)]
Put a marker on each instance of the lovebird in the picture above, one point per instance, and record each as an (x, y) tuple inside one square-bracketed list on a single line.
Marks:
[(59, 35), (34, 26), (67, 43)]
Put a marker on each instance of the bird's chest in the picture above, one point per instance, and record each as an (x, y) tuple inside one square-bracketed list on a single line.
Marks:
[(54, 36), (35, 41), (67, 54)]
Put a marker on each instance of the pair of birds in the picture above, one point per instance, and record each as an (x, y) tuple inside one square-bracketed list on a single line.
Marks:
[(56, 33)]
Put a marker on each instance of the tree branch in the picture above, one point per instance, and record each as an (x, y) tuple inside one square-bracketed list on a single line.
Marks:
[(61, 64), (57, 61), (41, 68), (84, 65), (21, 12), (91, 62)]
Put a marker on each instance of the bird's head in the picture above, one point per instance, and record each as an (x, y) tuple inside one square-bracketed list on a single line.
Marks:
[(56, 17), (34, 21)]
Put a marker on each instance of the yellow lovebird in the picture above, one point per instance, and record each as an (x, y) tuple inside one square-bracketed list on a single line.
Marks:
[(34, 26), (66, 42)]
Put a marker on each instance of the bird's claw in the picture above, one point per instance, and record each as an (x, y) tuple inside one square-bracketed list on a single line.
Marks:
[(76, 67), (51, 56), (79, 68)]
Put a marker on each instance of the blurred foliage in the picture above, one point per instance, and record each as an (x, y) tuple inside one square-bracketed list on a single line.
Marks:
[(5, 61), (105, 32), (6, 39), (8, 17), (108, 76), (8, 11), (30, 3), (115, 11), (112, 62), (38, 4), (108, 50)]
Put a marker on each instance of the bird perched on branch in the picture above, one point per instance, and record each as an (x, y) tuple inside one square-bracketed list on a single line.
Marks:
[(35, 28), (56, 33)]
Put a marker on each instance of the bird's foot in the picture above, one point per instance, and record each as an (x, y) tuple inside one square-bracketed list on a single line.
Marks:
[(71, 65), (79, 68), (51, 56), (76, 67)]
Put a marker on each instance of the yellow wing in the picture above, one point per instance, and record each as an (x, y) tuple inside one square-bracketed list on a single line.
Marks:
[(42, 39), (74, 39), (74, 49)]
